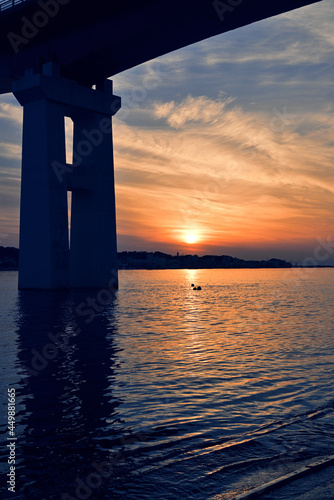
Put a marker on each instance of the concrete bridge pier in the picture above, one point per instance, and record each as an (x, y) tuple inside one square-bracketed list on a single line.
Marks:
[(93, 218), (44, 249), (46, 260)]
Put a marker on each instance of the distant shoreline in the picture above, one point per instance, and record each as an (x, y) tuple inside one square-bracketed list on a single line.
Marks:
[(134, 260), (2, 269), (159, 260)]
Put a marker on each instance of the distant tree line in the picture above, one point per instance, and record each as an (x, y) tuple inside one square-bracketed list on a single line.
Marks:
[(9, 260), (160, 260)]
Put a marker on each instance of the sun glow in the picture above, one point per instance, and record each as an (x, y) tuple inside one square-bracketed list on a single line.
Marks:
[(191, 237)]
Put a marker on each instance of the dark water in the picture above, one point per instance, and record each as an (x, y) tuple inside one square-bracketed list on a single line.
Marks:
[(163, 392)]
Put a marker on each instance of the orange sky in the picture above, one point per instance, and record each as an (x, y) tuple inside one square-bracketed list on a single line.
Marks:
[(228, 143)]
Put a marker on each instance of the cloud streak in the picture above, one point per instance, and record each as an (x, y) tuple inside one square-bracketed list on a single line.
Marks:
[(234, 141), (234, 174)]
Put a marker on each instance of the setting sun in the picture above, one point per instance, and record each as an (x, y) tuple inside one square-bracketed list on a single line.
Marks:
[(191, 237)]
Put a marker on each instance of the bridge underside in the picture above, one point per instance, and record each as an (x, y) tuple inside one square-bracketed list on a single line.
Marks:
[(51, 54), (95, 40)]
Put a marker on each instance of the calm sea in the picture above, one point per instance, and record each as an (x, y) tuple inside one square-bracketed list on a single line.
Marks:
[(164, 392)]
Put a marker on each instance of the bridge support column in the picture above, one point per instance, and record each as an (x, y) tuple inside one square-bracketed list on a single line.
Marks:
[(46, 262), (93, 254), (44, 250)]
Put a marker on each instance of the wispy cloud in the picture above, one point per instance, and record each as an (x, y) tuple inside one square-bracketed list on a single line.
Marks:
[(10, 150), (10, 111), (232, 137), (197, 110), (232, 174)]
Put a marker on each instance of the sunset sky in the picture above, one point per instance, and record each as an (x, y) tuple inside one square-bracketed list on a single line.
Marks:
[(223, 147)]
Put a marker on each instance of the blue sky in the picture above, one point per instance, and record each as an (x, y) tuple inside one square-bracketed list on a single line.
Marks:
[(230, 140)]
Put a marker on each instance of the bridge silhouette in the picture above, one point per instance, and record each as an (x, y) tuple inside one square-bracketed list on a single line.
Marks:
[(56, 57)]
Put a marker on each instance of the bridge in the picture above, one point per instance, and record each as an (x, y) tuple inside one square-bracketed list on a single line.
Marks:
[(57, 56)]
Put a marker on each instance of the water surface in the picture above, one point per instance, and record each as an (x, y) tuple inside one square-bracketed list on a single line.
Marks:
[(160, 391)]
